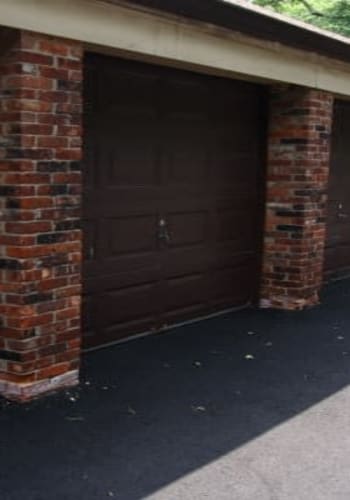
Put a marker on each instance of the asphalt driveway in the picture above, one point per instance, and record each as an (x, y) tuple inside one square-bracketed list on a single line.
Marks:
[(252, 405)]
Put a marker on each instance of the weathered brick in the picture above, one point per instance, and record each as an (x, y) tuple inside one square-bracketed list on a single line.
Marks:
[(40, 241), (297, 173)]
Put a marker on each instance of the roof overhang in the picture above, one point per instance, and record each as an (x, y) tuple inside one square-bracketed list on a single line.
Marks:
[(179, 39), (258, 22)]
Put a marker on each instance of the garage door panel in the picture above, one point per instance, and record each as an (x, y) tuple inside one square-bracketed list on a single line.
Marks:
[(232, 141), (115, 313), (184, 261), (178, 171), (341, 235), (123, 277), (130, 165), (128, 329), (133, 302), (187, 228), (185, 291), (90, 160), (110, 246), (188, 95), (130, 235), (227, 256), (232, 225), (88, 324), (185, 297), (111, 268), (227, 169), (227, 198), (119, 202), (89, 228), (115, 329), (184, 152), (141, 85), (340, 255), (231, 283)]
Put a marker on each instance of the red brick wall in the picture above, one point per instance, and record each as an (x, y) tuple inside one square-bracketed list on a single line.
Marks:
[(298, 164), (40, 237)]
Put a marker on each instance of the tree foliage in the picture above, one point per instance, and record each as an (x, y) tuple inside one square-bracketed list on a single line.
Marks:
[(333, 15)]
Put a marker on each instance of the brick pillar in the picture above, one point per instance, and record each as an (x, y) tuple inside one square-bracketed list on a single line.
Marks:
[(40, 239), (297, 174)]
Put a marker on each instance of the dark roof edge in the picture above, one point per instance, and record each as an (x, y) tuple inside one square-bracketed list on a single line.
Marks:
[(258, 23)]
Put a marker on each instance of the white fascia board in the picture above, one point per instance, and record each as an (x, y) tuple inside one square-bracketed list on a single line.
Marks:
[(163, 39)]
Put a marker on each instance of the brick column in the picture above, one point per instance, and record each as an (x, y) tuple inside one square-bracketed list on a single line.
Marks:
[(40, 239), (297, 174)]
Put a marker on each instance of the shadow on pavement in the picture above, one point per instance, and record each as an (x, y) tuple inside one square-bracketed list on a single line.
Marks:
[(153, 410)]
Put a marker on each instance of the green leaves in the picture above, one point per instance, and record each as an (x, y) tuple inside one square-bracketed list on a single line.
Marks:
[(333, 15)]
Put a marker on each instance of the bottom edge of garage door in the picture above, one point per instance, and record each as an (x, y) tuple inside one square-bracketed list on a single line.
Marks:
[(167, 328), (336, 275)]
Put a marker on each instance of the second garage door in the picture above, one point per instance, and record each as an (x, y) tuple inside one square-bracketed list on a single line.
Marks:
[(337, 255), (172, 196)]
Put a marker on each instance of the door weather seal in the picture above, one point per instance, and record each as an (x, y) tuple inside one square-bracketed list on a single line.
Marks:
[(167, 328)]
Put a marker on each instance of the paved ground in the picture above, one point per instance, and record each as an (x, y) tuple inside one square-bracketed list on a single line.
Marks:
[(254, 405)]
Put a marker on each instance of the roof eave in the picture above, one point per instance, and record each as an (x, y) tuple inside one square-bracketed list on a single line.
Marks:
[(257, 22)]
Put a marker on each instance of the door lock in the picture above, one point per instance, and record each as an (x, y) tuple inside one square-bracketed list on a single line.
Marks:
[(163, 233), (340, 214), (91, 252)]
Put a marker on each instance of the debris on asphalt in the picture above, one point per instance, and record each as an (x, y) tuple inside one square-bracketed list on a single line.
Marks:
[(249, 356), (197, 364), (75, 419), (251, 333), (131, 410), (268, 344), (199, 408)]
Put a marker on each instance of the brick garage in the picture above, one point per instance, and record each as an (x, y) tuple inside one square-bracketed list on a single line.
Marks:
[(41, 205)]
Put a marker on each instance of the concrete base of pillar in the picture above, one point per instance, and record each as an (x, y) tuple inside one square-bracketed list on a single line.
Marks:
[(25, 392)]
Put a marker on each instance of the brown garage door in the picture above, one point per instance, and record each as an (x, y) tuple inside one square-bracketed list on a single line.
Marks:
[(172, 185), (337, 261)]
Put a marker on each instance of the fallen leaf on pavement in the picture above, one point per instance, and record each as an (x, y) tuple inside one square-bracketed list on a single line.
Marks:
[(131, 410), (199, 408), (249, 356)]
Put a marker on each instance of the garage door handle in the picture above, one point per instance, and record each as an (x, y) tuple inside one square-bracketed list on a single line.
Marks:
[(163, 233)]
